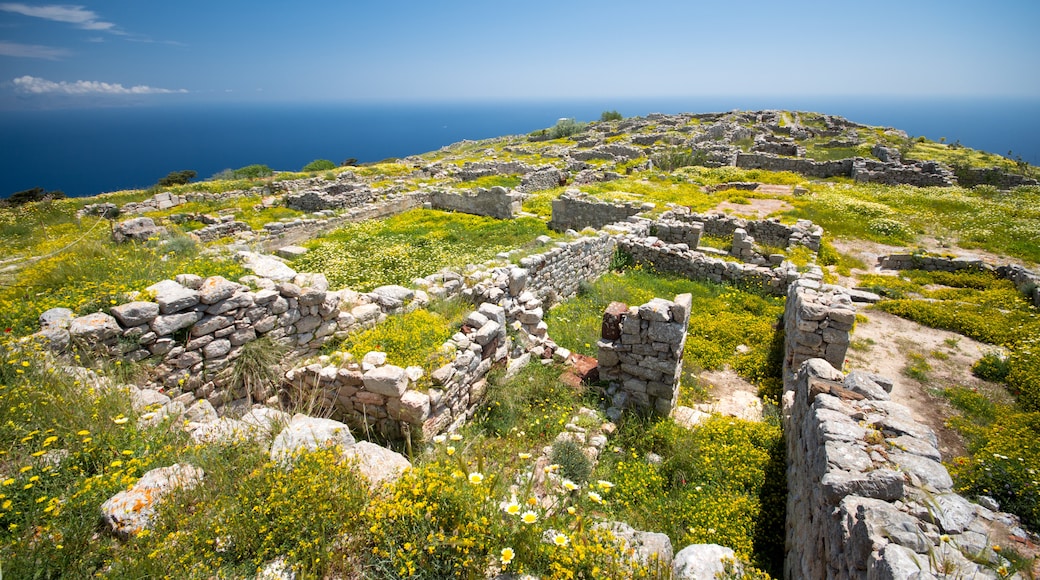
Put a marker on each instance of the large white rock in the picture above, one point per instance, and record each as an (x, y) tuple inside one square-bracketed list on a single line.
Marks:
[(378, 464), (309, 433), (132, 510), (97, 327), (701, 562), (268, 267), (388, 380), (172, 297)]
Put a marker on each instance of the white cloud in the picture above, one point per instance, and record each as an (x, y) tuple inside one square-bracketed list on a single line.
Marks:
[(77, 15), (31, 51), (37, 86)]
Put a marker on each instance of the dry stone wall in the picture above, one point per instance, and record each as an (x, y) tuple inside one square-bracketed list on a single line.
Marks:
[(497, 202), (918, 173), (376, 397), (641, 351), (576, 211), (995, 176), (680, 259), (1025, 280), (817, 321), (558, 273), (868, 496)]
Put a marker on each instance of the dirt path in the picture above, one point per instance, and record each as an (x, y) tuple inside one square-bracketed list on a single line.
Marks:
[(921, 361), (756, 208)]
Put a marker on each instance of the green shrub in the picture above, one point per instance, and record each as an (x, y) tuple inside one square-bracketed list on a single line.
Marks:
[(574, 464), (319, 165), (991, 367), (611, 115), (679, 157), (566, 128), (176, 178), (720, 482), (252, 172)]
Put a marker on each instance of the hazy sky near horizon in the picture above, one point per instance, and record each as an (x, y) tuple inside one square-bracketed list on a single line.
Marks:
[(104, 52)]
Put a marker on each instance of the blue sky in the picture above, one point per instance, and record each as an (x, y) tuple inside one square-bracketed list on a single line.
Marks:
[(103, 52)]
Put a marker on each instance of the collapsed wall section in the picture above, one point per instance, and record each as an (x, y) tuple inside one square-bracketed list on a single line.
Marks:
[(769, 231)]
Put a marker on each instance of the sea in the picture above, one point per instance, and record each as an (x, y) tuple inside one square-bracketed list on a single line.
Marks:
[(90, 151)]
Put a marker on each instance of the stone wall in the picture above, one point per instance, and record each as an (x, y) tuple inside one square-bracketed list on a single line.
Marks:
[(497, 202), (680, 259), (340, 195), (166, 200), (918, 173), (807, 167), (817, 321), (391, 401), (558, 273), (673, 231), (198, 327), (641, 352), (769, 232), (995, 176), (1027, 281), (867, 494), (576, 211)]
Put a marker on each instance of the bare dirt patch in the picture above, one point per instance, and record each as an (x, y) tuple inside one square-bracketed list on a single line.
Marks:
[(756, 208), (921, 362), (730, 395)]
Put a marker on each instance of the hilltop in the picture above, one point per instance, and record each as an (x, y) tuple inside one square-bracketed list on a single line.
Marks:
[(631, 329)]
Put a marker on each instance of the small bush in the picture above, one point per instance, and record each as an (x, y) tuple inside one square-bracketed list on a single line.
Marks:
[(252, 172), (574, 464), (566, 128), (991, 367), (176, 178), (612, 115), (319, 165)]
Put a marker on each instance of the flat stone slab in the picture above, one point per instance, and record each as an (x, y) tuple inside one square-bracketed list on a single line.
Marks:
[(290, 252)]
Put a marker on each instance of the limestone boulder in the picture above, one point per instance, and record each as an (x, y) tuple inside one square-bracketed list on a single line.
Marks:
[(94, 328), (701, 562), (135, 313), (137, 230), (309, 434), (378, 464), (133, 510)]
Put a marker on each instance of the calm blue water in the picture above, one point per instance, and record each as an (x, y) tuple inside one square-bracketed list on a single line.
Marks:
[(85, 152)]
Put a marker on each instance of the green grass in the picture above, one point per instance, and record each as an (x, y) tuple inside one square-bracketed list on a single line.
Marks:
[(981, 218), (721, 482), (722, 318), (95, 273), (489, 181), (411, 245), (411, 339)]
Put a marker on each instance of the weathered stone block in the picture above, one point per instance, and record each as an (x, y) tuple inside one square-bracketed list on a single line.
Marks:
[(386, 380)]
